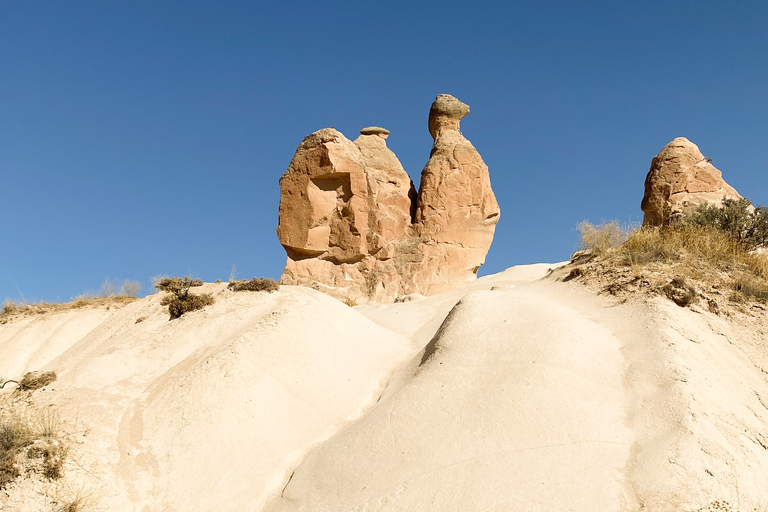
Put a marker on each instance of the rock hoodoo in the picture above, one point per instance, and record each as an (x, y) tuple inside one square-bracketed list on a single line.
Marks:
[(681, 177), (354, 227)]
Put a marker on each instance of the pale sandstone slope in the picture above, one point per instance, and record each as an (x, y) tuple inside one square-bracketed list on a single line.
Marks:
[(543, 397), (29, 343), (531, 395), (214, 410)]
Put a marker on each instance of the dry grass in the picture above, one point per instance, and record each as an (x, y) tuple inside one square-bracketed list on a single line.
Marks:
[(681, 262), (602, 237), (36, 380), (257, 284), (177, 306), (30, 442), (13, 309)]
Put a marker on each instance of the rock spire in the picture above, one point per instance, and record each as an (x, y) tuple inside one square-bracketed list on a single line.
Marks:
[(354, 227)]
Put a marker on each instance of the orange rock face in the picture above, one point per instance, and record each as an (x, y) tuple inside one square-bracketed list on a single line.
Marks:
[(680, 178), (353, 226)]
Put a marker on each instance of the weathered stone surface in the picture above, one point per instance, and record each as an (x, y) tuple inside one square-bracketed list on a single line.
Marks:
[(391, 192), (681, 177), (457, 211), (353, 226)]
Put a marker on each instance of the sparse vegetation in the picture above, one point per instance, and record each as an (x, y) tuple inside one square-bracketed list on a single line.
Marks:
[(706, 251), (15, 434), (600, 238), (350, 302), (737, 218), (179, 299), (30, 443), (257, 284), (36, 380), (12, 309)]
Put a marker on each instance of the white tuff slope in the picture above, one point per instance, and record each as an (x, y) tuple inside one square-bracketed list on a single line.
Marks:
[(534, 396)]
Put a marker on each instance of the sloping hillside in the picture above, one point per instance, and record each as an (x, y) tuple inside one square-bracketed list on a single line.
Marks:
[(517, 392)]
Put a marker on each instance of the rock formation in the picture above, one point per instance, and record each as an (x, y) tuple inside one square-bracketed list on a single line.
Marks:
[(354, 227), (681, 177)]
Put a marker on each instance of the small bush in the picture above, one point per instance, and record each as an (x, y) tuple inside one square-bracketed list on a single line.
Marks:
[(10, 307), (680, 292), (177, 306), (177, 285), (180, 300), (602, 237), (257, 284), (36, 380), (737, 218)]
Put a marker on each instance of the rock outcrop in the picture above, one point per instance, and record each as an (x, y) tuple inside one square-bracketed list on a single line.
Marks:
[(681, 177), (354, 227)]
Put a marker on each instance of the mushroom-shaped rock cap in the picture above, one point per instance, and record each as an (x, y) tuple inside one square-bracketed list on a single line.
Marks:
[(445, 113), (375, 130)]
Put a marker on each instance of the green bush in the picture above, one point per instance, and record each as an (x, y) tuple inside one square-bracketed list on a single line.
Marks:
[(257, 284), (180, 300), (735, 218)]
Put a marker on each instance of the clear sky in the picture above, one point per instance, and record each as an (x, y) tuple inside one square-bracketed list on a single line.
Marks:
[(140, 138)]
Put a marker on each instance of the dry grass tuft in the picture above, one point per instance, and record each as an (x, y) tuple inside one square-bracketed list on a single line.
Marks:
[(30, 442), (257, 284), (684, 262), (600, 238), (13, 309), (36, 380)]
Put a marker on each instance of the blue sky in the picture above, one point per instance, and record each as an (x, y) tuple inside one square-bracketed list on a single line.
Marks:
[(144, 138)]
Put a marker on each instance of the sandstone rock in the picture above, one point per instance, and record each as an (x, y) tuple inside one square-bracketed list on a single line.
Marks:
[(391, 193), (681, 177), (457, 211), (353, 226)]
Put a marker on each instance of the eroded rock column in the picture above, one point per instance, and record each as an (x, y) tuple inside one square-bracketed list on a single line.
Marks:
[(457, 211), (354, 227)]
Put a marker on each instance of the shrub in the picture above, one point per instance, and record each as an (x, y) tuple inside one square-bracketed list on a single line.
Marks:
[(177, 306), (177, 285), (36, 380), (680, 292), (737, 218), (257, 284), (180, 300), (602, 237)]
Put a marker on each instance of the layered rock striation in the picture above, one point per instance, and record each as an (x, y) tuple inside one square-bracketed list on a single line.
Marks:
[(354, 227), (681, 177)]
